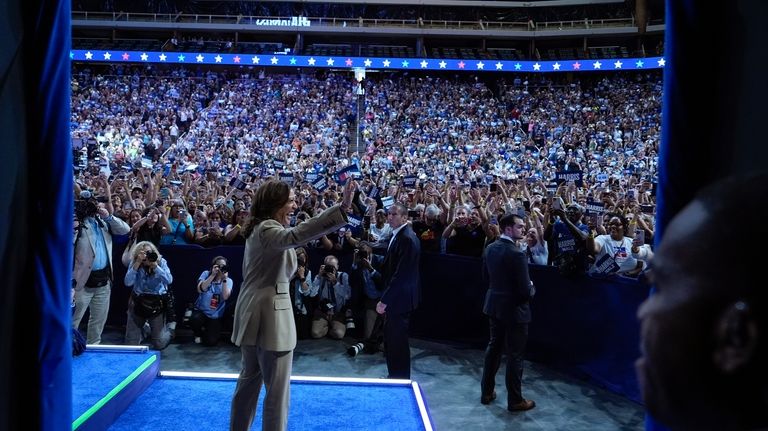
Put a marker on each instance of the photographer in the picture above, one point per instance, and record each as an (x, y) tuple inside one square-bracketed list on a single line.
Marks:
[(150, 277), (300, 286), (331, 290), (214, 287), (92, 272)]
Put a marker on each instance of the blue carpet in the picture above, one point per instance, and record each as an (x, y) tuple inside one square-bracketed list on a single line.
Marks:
[(195, 404), (95, 374)]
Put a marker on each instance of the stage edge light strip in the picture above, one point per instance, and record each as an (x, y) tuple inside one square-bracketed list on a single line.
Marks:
[(99, 404), (422, 406), (115, 348), (226, 376)]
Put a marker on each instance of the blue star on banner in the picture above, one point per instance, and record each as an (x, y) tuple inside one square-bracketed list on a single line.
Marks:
[(474, 65)]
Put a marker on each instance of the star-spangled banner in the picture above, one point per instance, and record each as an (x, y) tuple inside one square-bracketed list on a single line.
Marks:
[(381, 63)]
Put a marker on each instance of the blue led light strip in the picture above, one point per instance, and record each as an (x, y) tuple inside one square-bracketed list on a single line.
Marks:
[(381, 63)]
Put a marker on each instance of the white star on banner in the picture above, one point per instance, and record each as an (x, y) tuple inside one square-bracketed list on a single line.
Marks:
[(163, 57), (311, 61), (200, 58), (88, 55), (107, 56), (405, 63), (386, 63), (556, 66), (329, 62), (499, 66), (292, 60), (273, 60), (597, 65), (442, 64), (618, 64), (181, 58), (144, 56), (480, 65), (255, 60), (536, 66), (367, 62), (518, 66), (424, 64), (639, 63), (217, 58), (662, 62)]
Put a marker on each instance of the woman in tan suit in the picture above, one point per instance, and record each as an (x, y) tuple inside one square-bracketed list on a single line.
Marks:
[(263, 326)]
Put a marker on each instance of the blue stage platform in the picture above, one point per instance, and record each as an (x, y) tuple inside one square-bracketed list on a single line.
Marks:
[(120, 388)]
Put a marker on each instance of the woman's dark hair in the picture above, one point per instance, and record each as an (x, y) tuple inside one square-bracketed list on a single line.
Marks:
[(218, 258), (622, 219), (270, 197)]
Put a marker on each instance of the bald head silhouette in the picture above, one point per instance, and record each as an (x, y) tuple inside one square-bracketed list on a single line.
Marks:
[(704, 364)]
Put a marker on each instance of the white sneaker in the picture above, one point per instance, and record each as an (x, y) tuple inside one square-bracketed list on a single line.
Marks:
[(198, 340)]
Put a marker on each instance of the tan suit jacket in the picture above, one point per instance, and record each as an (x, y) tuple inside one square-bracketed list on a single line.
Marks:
[(85, 245), (263, 314)]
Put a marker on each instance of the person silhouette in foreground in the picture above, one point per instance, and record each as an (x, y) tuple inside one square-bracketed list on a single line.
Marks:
[(705, 351)]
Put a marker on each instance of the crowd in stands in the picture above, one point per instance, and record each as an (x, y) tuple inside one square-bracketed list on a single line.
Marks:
[(178, 153)]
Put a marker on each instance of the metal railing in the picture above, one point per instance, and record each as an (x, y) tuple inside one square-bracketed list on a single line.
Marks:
[(356, 22)]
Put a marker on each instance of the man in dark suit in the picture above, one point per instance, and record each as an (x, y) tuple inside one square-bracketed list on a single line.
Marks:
[(400, 274), (507, 305)]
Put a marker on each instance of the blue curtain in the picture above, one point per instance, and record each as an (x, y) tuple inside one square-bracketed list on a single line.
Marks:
[(713, 130), (35, 216)]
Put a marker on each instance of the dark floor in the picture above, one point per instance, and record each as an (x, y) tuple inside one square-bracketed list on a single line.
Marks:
[(449, 377)]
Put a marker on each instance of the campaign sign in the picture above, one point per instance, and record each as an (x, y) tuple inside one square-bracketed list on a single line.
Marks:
[(387, 201), (606, 265), (320, 184), (278, 163), (354, 221), (374, 193), (350, 172), (574, 176), (286, 177), (310, 149), (595, 207), (409, 181)]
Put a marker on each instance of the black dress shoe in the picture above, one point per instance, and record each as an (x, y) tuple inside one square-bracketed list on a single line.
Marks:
[(486, 399), (522, 406)]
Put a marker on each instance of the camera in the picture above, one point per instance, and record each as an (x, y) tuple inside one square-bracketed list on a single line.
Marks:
[(152, 256), (224, 268), (355, 349)]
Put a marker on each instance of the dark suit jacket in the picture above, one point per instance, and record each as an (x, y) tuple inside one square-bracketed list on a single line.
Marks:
[(400, 273), (505, 268)]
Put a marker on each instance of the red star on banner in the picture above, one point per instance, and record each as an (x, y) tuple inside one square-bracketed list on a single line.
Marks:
[(236, 59), (348, 62), (576, 66), (126, 56), (461, 65)]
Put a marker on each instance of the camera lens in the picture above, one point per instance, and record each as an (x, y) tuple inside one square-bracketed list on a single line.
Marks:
[(355, 349), (152, 256)]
